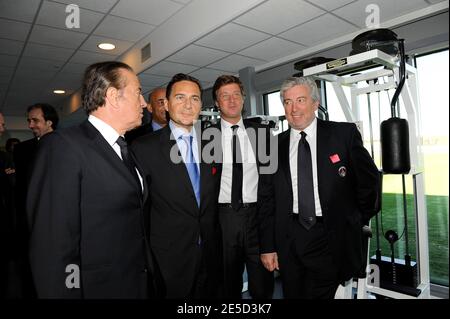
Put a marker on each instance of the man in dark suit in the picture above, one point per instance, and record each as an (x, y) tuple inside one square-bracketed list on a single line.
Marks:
[(156, 106), (242, 144), (324, 191), (86, 198), (42, 120), (184, 229)]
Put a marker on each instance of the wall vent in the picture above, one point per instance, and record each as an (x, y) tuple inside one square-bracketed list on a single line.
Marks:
[(146, 53)]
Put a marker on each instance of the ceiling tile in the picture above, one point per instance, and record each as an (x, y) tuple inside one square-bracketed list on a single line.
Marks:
[(39, 64), (47, 52), (356, 12), (331, 5), (235, 62), (85, 57), (207, 75), (57, 37), (14, 30), (8, 60), (10, 47), (22, 10), (232, 38), (25, 75), (182, 1), (156, 11), (169, 68), (54, 15), (272, 49), (97, 5), (276, 16), (123, 29), (6, 71), (74, 68), (92, 42), (149, 80), (321, 29), (196, 55)]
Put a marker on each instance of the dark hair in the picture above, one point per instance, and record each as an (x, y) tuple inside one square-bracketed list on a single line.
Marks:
[(224, 80), (49, 112), (182, 77), (97, 79), (10, 142)]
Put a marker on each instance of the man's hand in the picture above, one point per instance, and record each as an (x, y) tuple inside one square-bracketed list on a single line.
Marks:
[(10, 171), (270, 261)]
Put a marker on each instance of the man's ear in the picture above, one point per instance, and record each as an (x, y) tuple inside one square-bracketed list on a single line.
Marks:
[(111, 96), (166, 105), (149, 107), (49, 123)]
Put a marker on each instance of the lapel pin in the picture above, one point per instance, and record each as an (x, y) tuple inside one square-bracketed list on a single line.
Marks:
[(214, 170), (335, 158), (342, 171)]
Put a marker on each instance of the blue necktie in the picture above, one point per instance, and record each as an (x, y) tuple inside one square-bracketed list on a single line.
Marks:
[(192, 169)]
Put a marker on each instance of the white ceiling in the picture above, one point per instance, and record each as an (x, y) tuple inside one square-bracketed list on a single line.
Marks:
[(38, 53)]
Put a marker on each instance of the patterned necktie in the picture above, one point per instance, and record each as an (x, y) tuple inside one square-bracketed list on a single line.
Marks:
[(128, 160), (306, 205), (192, 168), (237, 176)]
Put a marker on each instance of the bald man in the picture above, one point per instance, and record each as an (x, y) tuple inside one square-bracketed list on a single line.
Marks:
[(156, 105)]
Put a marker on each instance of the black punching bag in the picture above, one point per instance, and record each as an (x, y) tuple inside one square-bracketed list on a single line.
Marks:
[(395, 146), (394, 131)]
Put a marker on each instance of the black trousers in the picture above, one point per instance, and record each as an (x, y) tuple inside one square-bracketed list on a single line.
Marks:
[(307, 270), (241, 249)]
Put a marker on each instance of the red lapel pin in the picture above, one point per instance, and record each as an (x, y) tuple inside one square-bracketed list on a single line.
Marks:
[(214, 170), (335, 158)]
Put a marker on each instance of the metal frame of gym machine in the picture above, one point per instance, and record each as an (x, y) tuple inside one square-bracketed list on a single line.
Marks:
[(330, 72)]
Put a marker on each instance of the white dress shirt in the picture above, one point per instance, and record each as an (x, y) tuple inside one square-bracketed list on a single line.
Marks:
[(111, 136), (249, 168), (311, 137)]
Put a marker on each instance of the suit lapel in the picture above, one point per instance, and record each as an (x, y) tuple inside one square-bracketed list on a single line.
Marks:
[(170, 148), (323, 138), (284, 156), (106, 151)]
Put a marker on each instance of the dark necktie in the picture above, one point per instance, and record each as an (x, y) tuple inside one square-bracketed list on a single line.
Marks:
[(306, 205), (237, 176), (128, 160)]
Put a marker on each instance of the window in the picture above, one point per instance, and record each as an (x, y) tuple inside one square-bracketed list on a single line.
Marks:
[(433, 78)]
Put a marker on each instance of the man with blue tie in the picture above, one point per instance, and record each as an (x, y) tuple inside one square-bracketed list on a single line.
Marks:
[(184, 229)]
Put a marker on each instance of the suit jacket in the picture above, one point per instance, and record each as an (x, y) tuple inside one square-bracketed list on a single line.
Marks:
[(347, 201), (24, 155), (177, 224), (130, 136), (85, 209)]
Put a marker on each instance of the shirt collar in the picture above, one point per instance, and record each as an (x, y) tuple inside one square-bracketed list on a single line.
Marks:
[(227, 125), (105, 129), (310, 130), (177, 131), (156, 126)]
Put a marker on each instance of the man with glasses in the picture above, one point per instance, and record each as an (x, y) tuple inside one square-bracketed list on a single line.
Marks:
[(237, 201), (326, 187), (156, 106), (184, 228)]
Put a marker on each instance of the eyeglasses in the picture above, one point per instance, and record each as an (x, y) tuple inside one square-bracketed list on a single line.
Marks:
[(182, 99), (299, 100), (227, 97)]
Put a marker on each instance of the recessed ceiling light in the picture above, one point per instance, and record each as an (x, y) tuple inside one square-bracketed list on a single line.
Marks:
[(59, 91), (106, 46)]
